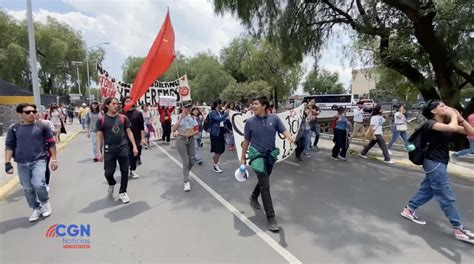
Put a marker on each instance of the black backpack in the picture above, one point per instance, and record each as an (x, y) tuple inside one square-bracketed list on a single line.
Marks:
[(418, 139), (206, 123)]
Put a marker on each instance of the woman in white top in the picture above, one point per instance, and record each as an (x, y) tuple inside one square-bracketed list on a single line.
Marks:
[(55, 116), (376, 122), (400, 127)]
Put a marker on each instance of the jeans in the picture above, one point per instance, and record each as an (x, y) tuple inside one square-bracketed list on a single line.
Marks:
[(381, 142), (395, 135), (83, 123), (436, 184), (110, 163), (263, 188), (197, 146), (317, 133), (340, 146), (307, 140), (467, 151), (32, 179), (94, 143), (186, 150)]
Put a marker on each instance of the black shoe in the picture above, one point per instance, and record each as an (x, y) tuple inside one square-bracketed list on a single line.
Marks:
[(272, 224), (299, 158), (139, 162), (95, 159), (254, 203)]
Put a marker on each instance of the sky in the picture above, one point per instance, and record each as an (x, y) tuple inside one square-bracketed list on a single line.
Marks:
[(130, 26)]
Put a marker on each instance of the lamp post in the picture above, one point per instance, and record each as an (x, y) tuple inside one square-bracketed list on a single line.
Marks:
[(77, 63), (87, 66), (33, 62)]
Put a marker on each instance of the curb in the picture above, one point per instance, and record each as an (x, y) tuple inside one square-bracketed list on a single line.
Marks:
[(8, 187)]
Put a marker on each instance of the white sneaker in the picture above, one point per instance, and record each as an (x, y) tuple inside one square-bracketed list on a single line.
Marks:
[(47, 188), (110, 190), (389, 161), (464, 235), (390, 152), (133, 175), (124, 197), (46, 209), (342, 158), (35, 216), (363, 156), (452, 158), (187, 186), (217, 169)]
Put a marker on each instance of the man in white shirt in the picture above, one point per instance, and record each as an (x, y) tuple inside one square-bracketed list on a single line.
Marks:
[(359, 121)]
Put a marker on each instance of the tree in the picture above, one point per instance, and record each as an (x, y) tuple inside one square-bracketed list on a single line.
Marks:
[(232, 56), (207, 77), (130, 68), (426, 41), (323, 82), (392, 85), (244, 92)]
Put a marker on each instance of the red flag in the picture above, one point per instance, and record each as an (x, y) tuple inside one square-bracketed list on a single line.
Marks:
[(156, 63)]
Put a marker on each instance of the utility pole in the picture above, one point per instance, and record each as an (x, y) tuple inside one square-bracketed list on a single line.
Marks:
[(33, 62), (77, 63)]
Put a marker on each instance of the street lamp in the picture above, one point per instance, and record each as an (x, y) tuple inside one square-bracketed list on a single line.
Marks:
[(87, 65), (77, 63)]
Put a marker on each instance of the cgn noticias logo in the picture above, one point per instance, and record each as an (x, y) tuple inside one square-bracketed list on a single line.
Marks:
[(73, 236)]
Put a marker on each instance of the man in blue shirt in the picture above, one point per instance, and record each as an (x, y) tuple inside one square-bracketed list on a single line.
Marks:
[(260, 131), (30, 143)]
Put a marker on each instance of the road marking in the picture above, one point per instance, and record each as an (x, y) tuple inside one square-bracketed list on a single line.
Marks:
[(264, 236), (292, 163)]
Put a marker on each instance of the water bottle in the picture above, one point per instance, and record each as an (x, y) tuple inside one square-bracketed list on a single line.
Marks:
[(411, 147), (242, 169)]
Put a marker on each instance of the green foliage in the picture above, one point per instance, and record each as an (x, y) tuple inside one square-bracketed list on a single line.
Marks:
[(130, 68), (57, 46), (392, 85), (428, 42), (244, 92), (323, 82)]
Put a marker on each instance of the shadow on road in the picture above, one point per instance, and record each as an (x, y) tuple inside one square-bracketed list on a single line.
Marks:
[(16, 223), (127, 211), (100, 205)]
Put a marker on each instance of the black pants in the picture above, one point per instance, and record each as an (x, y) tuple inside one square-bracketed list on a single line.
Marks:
[(299, 147), (47, 174), (166, 131), (381, 142), (340, 145), (133, 159), (263, 188), (110, 163)]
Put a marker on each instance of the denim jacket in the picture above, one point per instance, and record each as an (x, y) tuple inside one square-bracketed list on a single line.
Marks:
[(215, 120)]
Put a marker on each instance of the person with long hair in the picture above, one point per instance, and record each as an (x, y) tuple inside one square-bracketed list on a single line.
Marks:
[(340, 135), (186, 128), (400, 127), (229, 130), (91, 121), (442, 122), (138, 131), (376, 122), (217, 131), (55, 116), (470, 138), (149, 120), (113, 137), (165, 120), (198, 117)]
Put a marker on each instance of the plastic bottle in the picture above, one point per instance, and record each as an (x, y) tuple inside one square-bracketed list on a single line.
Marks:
[(411, 147)]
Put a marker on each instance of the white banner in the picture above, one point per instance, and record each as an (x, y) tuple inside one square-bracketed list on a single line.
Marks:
[(178, 88), (291, 119)]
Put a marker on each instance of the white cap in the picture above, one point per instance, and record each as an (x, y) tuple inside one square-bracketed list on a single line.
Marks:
[(84, 104)]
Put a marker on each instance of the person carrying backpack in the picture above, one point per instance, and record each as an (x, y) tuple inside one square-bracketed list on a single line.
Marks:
[(26, 142), (113, 136), (436, 135)]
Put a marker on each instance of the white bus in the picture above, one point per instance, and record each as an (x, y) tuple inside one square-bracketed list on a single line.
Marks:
[(332, 101)]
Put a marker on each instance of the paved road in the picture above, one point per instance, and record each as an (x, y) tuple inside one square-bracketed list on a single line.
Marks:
[(329, 212)]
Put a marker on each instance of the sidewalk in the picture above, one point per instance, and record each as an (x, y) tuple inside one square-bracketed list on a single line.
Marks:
[(464, 167), (8, 182)]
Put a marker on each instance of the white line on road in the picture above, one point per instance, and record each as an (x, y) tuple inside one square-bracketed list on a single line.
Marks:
[(292, 163), (264, 236)]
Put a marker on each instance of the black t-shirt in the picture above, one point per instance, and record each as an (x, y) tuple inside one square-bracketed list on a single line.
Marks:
[(438, 149), (114, 131), (138, 123)]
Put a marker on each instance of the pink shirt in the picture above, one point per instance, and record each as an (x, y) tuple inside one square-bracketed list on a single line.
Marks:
[(470, 119)]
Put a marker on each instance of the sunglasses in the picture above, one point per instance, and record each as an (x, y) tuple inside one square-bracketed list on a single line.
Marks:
[(28, 112)]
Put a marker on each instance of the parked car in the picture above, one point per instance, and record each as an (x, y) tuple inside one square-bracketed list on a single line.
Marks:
[(369, 104)]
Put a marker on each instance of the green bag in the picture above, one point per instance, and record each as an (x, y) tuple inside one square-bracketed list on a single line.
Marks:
[(257, 161)]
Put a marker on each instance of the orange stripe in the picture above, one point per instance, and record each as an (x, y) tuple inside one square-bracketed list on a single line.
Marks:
[(13, 100)]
